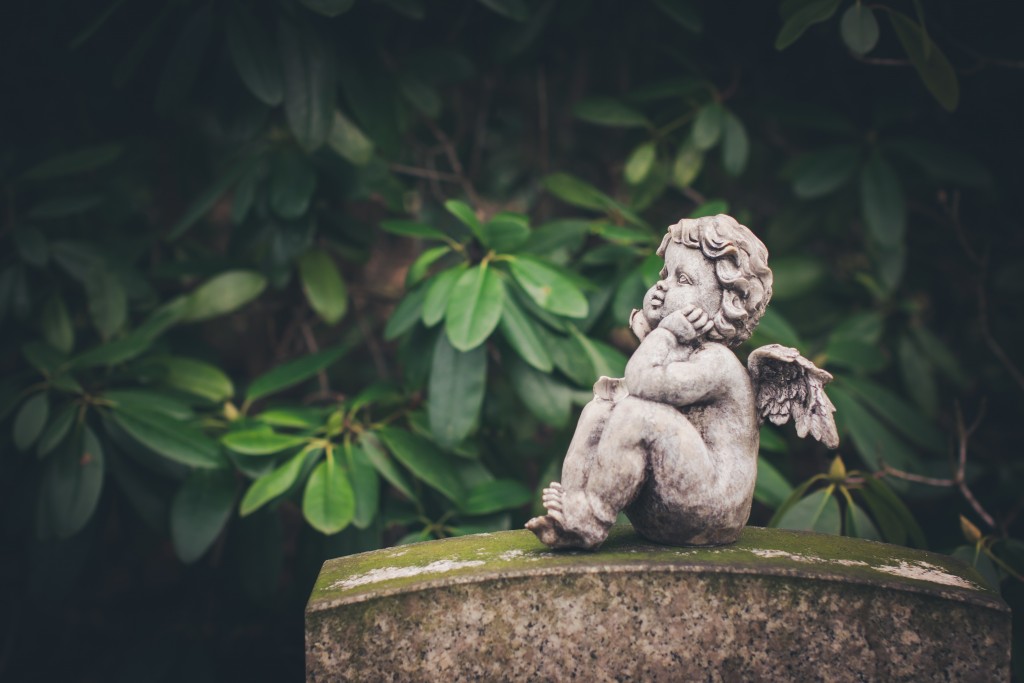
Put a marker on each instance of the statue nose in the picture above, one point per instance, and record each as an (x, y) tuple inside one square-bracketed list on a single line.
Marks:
[(661, 285)]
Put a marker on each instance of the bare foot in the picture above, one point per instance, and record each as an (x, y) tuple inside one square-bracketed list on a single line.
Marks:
[(550, 528)]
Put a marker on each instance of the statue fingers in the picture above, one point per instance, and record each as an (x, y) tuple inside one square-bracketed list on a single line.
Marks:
[(693, 313), (707, 326)]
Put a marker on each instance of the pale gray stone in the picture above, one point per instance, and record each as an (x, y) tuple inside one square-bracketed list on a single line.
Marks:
[(674, 443), (777, 605)]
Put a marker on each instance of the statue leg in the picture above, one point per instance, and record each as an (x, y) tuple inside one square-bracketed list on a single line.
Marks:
[(604, 470)]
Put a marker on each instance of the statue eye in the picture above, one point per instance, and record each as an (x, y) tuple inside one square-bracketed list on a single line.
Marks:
[(684, 280)]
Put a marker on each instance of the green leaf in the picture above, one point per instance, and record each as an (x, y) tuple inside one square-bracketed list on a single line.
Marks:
[(245, 193), (822, 172), (683, 13), (412, 229), (439, 291), (929, 61), (493, 496), (254, 54), (57, 328), (687, 165), (903, 417), (273, 484), (223, 294), (466, 216), (173, 439), (349, 141), (773, 329), (795, 276), (184, 60), (474, 307), (64, 206), (72, 484), (942, 163), (771, 441), (574, 191), (710, 208), (108, 302), (424, 460), (323, 286), (31, 245), (292, 183), (855, 355), (328, 503), (793, 499), (817, 512), (422, 264), (707, 128), (611, 364), (859, 29), (381, 462), (639, 163), (606, 111), (548, 288), (200, 510), (811, 13), (291, 373), (422, 96), (406, 313), (771, 488), (506, 232), (874, 441), (881, 201), (883, 498), (149, 401), (456, 392), (301, 418), (865, 327), (516, 10), (735, 145), (113, 352), (204, 203), (79, 161), (309, 83), (549, 400), (859, 524), (197, 378), (329, 8), (58, 428), (261, 441), (918, 376), (521, 333), (365, 485), (30, 420)]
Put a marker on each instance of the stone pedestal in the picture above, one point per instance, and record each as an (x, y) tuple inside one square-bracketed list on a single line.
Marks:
[(778, 605)]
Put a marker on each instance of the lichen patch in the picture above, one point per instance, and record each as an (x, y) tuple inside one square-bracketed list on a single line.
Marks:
[(924, 571), (388, 573)]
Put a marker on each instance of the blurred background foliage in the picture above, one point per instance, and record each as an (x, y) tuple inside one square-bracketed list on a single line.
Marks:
[(290, 279)]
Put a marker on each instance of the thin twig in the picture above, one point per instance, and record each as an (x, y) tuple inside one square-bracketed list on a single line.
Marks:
[(959, 479), (916, 478), (453, 159), (429, 174), (694, 196), (881, 61), (379, 360)]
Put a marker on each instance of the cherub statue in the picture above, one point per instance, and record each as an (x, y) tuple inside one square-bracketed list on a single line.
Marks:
[(674, 444)]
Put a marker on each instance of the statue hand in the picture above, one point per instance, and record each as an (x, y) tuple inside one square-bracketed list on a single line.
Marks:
[(688, 323)]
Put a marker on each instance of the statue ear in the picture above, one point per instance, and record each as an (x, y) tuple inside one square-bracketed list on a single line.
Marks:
[(638, 324)]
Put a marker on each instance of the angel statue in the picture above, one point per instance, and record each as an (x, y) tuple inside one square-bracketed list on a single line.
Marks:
[(674, 444)]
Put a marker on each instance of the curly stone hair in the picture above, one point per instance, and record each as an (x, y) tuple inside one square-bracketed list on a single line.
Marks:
[(741, 265)]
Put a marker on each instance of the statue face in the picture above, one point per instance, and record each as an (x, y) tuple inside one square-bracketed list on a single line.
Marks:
[(687, 278)]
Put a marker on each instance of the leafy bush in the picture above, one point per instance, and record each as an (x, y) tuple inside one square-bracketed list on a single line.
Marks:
[(290, 279)]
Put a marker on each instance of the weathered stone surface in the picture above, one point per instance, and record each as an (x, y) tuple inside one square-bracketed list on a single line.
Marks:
[(777, 605)]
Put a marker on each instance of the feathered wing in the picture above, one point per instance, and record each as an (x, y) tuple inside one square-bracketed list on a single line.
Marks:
[(787, 384)]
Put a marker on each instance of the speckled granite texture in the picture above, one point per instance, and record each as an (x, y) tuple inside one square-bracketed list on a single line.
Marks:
[(776, 606)]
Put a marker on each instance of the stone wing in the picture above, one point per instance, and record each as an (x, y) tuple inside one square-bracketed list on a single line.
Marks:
[(788, 385)]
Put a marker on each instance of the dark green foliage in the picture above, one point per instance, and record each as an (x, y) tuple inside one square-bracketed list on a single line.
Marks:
[(290, 279)]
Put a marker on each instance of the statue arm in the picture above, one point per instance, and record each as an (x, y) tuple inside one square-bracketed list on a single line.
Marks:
[(652, 375)]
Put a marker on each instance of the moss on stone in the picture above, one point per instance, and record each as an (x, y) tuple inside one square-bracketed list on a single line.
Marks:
[(484, 557)]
